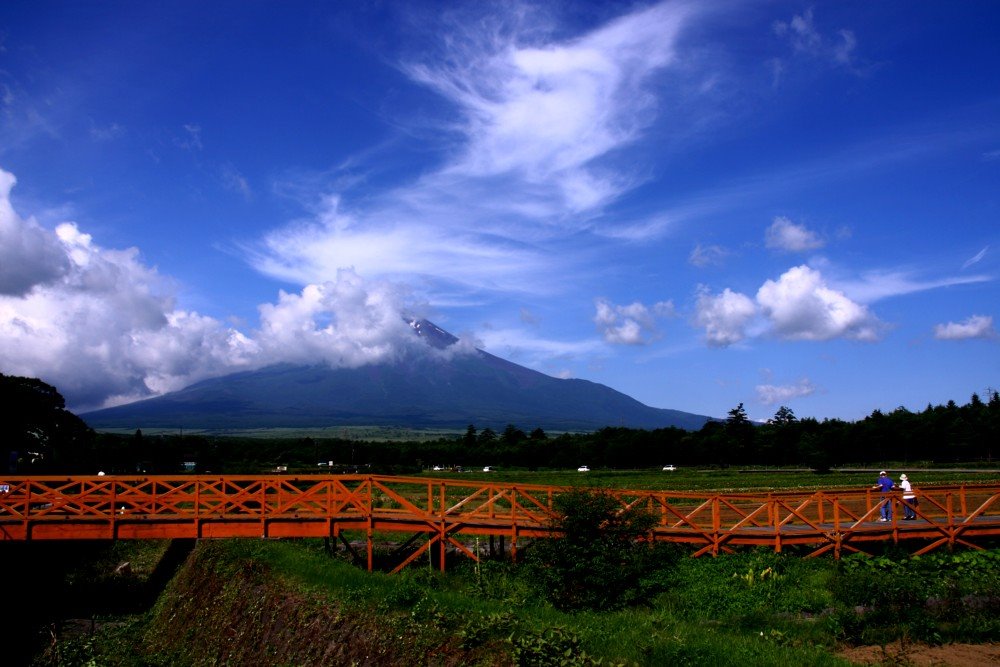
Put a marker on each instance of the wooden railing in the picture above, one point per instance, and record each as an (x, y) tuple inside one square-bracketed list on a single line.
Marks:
[(439, 511)]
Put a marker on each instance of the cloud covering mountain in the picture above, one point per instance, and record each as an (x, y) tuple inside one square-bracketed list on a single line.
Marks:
[(429, 386), (105, 329)]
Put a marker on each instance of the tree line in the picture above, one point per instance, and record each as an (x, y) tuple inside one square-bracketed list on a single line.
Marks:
[(42, 436)]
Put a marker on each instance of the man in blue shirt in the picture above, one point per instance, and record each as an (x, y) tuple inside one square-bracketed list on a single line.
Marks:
[(885, 484)]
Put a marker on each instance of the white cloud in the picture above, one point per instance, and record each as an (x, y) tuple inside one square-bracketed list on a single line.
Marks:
[(233, 180), (634, 324), (881, 284), (804, 38), (345, 323), (103, 328), (546, 109), (769, 394), (976, 326), (29, 255), (532, 159), (536, 352), (975, 259), (725, 316), (783, 234), (800, 306), (703, 256)]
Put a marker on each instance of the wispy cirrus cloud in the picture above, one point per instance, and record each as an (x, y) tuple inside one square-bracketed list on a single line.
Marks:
[(533, 350), (190, 139), (709, 255), (975, 259), (805, 38), (540, 119), (234, 181), (875, 285)]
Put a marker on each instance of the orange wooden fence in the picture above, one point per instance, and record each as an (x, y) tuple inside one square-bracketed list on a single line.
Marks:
[(443, 513)]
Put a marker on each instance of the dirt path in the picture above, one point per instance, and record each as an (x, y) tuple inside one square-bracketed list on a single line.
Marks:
[(947, 655)]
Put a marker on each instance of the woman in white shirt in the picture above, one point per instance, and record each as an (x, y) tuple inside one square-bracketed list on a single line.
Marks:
[(909, 499)]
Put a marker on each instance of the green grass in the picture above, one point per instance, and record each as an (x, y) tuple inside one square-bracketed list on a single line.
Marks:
[(496, 603), (359, 433), (721, 479)]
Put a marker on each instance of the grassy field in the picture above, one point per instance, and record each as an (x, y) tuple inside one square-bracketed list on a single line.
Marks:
[(369, 433), (753, 608), (723, 479)]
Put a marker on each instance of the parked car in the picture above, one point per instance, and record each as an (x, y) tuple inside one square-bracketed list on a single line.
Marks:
[(488, 469), (583, 469), (670, 468)]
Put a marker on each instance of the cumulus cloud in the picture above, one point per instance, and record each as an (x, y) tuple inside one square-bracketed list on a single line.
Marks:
[(101, 325), (633, 324), (345, 323), (770, 394), (724, 316), (785, 235), (976, 326), (801, 306), (104, 328), (531, 159), (29, 255)]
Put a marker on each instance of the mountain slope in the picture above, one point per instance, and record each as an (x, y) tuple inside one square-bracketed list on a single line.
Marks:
[(426, 391)]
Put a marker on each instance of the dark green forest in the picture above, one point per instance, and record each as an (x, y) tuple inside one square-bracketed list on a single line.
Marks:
[(41, 436)]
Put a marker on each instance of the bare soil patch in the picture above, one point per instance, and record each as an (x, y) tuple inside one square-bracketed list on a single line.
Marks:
[(947, 655)]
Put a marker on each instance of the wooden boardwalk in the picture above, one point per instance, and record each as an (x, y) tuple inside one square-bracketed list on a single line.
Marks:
[(442, 514)]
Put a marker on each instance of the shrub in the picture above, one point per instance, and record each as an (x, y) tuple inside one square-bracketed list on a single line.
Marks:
[(600, 560)]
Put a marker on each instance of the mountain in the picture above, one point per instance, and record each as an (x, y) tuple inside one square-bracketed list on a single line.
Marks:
[(423, 391)]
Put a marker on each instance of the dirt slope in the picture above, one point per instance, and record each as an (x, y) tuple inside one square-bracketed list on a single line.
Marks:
[(217, 611)]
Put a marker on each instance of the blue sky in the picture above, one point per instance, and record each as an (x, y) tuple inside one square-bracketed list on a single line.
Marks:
[(696, 203)]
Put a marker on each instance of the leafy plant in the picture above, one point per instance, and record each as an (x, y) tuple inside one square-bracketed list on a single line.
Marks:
[(599, 561)]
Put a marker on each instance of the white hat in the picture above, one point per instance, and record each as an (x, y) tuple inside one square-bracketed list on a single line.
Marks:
[(902, 476), (883, 473)]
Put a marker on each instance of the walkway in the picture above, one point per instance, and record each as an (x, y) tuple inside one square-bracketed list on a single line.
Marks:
[(440, 514)]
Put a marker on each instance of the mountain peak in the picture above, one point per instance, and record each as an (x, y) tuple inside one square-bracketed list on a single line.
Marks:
[(417, 391), (434, 335)]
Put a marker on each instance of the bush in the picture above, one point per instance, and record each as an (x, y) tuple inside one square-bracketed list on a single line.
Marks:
[(600, 561)]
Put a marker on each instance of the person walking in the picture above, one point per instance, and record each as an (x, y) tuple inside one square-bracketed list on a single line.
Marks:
[(884, 485), (909, 499)]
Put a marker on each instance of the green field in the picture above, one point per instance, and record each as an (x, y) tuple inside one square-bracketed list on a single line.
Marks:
[(355, 433), (725, 479)]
